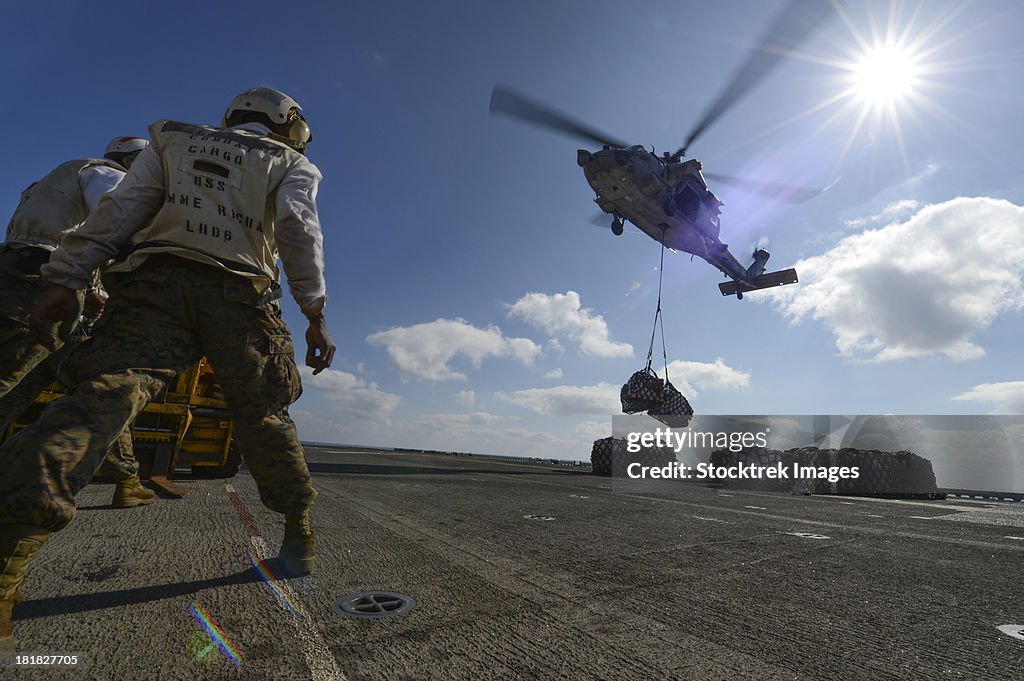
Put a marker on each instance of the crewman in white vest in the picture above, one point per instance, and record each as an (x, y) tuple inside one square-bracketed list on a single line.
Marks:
[(49, 210), (197, 227)]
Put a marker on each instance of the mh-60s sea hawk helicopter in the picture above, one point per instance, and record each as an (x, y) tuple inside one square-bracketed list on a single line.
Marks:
[(666, 197)]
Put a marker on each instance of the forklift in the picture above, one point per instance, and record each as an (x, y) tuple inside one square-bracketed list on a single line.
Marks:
[(185, 429)]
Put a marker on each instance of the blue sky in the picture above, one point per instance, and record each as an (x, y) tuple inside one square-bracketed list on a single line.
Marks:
[(474, 307)]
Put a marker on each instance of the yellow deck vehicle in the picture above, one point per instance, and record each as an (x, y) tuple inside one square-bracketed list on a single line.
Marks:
[(186, 427)]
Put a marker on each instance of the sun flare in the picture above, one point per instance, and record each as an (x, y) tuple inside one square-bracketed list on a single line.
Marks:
[(889, 72), (885, 75)]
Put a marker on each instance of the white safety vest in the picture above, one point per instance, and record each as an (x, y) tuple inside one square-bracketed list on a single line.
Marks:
[(219, 208), (53, 206)]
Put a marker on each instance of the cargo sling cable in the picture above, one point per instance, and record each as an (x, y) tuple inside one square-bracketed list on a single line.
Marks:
[(659, 316)]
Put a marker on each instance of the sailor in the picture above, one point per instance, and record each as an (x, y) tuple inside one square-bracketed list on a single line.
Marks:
[(49, 210), (198, 225)]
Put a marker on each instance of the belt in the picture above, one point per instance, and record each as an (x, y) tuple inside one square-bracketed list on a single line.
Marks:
[(24, 261)]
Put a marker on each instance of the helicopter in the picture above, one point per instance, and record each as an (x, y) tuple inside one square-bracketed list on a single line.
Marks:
[(667, 197)]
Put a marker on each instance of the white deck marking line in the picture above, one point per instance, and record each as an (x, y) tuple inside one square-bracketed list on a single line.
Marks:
[(319, 658), (806, 521), (807, 535), (1014, 630), (713, 520)]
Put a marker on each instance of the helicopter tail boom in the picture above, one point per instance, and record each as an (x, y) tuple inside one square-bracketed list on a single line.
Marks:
[(756, 268), (770, 280)]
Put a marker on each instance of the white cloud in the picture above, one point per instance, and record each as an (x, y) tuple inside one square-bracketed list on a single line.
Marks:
[(351, 393), (894, 211), (594, 430), (568, 400), (449, 421), (1007, 396), (554, 373), (692, 377), (561, 316), (929, 171), (918, 288), (424, 350), (466, 397)]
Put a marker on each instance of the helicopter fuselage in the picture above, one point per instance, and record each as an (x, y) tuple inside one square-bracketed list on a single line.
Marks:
[(667, 200)]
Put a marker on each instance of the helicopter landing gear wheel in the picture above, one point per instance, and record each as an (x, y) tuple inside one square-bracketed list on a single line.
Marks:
[(617, 226), (739, 296)]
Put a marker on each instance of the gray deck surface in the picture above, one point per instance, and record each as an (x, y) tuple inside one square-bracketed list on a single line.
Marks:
[(628, 581)]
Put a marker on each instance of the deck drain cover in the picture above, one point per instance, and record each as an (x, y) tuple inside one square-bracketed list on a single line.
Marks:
[(538, 517), (373, 604)]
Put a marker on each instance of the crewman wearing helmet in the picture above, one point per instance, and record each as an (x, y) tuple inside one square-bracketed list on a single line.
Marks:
[(197, 226), (49, 210)]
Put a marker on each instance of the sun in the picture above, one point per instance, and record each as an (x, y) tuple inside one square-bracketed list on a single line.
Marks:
[(888, 72), (885, 75)]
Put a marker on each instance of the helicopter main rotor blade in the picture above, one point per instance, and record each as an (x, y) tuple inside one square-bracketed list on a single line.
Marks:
[(792, 26), (512, 103), (772, 190)]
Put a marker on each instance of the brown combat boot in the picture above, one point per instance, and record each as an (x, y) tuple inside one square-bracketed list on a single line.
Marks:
[(130, 492), (18, 543), (6, 628), (297, 549)]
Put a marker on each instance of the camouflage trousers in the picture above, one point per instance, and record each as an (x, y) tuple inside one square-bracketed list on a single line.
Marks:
[(120, 462), (159, 320), (19, 352)]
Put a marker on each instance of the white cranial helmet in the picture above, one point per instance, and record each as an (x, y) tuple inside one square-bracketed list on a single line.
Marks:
[(123, 150), (281, 111)]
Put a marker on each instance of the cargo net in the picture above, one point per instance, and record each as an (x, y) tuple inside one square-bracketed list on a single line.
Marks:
[(885, 474), (646, 392), (610, 457)]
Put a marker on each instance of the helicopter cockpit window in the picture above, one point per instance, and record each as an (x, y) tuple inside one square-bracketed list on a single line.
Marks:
[(688, 202)]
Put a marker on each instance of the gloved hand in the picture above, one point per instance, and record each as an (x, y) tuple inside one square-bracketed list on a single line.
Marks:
[(54, 316), (94, 302)]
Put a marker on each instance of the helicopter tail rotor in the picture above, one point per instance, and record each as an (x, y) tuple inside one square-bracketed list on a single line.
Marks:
[(756, 268)]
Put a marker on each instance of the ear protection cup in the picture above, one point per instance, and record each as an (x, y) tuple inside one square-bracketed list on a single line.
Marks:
[(298, 131), (279, 111)]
